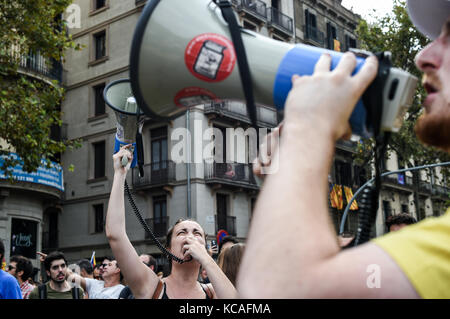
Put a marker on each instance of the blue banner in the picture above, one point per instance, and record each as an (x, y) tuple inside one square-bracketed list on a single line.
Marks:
[(52, 176)]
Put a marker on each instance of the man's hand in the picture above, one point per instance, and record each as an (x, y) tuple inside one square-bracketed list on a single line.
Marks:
[(325, 100), (268, 150), (42, 256)]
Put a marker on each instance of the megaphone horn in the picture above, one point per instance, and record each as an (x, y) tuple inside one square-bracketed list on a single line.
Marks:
[(182, 55), (119, 96)]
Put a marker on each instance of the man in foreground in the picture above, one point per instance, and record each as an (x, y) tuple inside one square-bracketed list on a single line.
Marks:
[(412, 263)]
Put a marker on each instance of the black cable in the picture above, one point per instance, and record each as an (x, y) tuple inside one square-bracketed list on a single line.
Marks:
[(167, 253), (369, 201)]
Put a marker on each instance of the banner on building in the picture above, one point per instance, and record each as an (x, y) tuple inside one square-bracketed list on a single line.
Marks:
[(52, 176)]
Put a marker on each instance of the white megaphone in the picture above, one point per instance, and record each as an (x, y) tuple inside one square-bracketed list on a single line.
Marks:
[(119, 97), (182, 55)]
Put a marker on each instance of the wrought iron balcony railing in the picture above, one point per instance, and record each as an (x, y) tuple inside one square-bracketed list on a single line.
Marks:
[(239, 174), (280, 20), (255, 7), (155, 174), (36, 63), (314, 34)]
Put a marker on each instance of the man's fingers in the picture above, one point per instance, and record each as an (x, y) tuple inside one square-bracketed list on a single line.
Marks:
[(323, 64), (366, 74), (347, 64)]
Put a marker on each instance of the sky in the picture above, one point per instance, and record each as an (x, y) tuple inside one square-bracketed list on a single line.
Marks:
[(365, 7)]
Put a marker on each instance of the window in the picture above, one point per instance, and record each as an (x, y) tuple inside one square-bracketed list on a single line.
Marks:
[(159, 148), (160, 215), (99, 102), (98, 218), (331, 36), (100, 45), (405, 208), (222, 211), (220, 150), (350, 42), (387, 210), (311, 25), (343, 173), (98, 4), (275, 4), (99, 159)]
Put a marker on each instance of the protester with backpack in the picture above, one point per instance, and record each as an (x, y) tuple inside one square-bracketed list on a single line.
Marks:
[(57, 287)]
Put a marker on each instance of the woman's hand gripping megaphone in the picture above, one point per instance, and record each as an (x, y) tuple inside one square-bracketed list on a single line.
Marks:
[(123, 158)]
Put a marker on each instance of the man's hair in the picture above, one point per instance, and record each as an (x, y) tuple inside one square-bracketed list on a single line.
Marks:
[(399, 219), (23, 264), (151, 261), (86, 265), (55, 255), (117, 265), (2, 251), (227, 239)]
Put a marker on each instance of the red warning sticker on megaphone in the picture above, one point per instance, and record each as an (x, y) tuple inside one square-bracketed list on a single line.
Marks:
[(191, 96), (210, 57)]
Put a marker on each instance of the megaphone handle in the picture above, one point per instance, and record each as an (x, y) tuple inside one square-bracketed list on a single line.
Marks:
[(124, 161)]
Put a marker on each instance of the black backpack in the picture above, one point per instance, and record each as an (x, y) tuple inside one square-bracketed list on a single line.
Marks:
[(43, 292)]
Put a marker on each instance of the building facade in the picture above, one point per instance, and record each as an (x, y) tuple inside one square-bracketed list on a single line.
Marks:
[(218, 195)]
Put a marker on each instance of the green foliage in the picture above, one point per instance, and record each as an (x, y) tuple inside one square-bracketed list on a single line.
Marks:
[(29, 106), (396, 33)]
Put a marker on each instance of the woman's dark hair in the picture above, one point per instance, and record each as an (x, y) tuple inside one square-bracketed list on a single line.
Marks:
[(23, 264), (56, 255)]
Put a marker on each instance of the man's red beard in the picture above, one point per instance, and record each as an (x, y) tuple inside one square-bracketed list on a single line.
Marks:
[(434, 129)]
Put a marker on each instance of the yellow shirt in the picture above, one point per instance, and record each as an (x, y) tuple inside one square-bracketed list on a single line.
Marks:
[(422, 251)]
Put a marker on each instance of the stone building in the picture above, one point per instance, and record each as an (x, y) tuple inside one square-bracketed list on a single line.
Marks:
[(218, 195)]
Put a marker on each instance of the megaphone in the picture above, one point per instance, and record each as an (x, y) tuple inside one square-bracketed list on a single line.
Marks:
[(182, 55), (119, 96)]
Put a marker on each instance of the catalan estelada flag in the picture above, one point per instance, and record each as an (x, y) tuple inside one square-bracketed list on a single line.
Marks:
[(349, 196), (93, 262), (336, 197)]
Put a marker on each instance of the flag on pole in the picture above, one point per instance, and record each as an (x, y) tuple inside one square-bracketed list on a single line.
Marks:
[(336, 197), (349, 196), (93, 262)]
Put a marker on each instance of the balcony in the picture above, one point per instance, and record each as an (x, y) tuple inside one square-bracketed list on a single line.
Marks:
[(441, 191), (280, 21), (425, 187), (159, 226), (36, 64), (314, 35), (399, 182), (155, 175), (237, 110), (231, 174), (227, 223), (255, 8)]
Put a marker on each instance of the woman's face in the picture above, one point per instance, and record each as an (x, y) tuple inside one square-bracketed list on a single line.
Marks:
[(182, 231)]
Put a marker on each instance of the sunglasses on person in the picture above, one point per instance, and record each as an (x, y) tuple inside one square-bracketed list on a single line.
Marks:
[(11, 267), (103, 265)]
